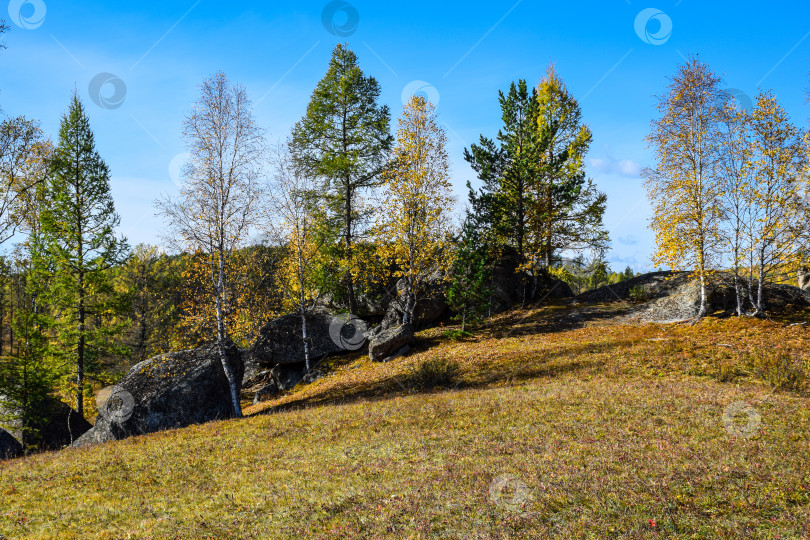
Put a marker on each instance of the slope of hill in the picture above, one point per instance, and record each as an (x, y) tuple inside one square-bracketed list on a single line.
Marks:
[(561, 422)]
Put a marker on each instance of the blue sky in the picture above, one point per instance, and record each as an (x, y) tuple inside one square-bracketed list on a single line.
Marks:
[(459, 52)]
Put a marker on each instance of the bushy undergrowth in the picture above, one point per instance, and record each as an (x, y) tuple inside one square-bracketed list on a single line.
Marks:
[(435, 372), (457, 333), (639, 293), (781, 370)]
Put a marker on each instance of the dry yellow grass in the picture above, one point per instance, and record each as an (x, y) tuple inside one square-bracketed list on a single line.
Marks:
[(604, 431)]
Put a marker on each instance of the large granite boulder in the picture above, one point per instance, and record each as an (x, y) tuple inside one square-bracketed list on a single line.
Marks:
[(9, 446), (55, 425), (285, 376), (366, 306), (511, 286), (431, 305), (390, 341), (673, 296), (280, 343), (265, 392), (168, 391), (60, 426)]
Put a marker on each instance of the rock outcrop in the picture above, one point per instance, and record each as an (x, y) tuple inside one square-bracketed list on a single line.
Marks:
[(56, 426), (803, 279), (511, 287), (280, 344), (9, 446), (389, 342), (61, 426), (168, 391), (671, 296)]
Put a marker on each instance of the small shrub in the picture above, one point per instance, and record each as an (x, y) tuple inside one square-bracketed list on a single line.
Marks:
[(457, 334), (728, 371), (782, 371), (639, 293), (435, 372)]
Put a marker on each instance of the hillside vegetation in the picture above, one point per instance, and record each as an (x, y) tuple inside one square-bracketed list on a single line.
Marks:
[(558, 423)]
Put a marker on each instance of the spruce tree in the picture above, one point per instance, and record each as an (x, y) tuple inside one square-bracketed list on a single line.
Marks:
[(78, 242), (535, 196), (344, 139)]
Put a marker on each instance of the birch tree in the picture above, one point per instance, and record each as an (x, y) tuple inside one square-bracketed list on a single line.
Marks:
[(413, 224), (779, 159), (218, 200), (735, 188), (291, 221), (684, 186), (22, 151)]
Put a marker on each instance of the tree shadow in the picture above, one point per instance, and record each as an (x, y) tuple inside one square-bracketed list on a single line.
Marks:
[(560, 316), (550, 364)]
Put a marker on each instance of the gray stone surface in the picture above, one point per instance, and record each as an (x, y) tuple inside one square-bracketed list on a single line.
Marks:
[(804, 279), (280, 343), (265, 392), (168, 391), (673, 296), (57, 425), (390, 341)]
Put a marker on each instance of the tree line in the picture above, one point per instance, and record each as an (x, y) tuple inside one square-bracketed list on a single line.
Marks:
[(340, 208)]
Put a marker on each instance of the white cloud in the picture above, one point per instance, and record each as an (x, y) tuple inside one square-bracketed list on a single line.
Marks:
[(609, 165)]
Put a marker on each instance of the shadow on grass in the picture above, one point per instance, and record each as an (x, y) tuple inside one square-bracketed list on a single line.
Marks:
[(560, 316), (550, 364)]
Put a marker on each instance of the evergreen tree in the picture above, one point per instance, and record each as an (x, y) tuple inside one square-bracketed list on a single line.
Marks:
[(535, 195), (567, 209), (344, 139), (78, 244), (628, 274), (27, 374), (507, 167), (469, 292)]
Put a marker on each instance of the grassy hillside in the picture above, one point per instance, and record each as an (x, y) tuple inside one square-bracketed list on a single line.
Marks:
[(559, 423)]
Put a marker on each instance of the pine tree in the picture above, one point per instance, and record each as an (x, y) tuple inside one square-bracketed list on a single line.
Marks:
[(413, 224), (506, 168), (344, 140), (535, 195), (78, 244), (27, 374)]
